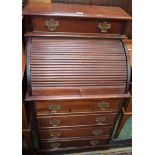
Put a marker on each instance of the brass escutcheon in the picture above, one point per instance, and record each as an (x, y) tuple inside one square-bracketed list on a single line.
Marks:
[(103, 105), (54, 122), (55, 134), (55, 145), (97, 132), (100, 120), (54, 108), (94, 142), (51, 24), (104, 26)]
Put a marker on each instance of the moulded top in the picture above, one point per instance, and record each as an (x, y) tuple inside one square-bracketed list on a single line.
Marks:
[(75, 10)]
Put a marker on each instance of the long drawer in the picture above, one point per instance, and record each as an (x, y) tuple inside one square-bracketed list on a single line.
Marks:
[(75, 120), (59, 24), (75, 132), (50, 107), (73, 143)]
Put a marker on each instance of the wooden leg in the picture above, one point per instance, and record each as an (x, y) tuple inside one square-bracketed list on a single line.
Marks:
[(121, 123), (28, 139)]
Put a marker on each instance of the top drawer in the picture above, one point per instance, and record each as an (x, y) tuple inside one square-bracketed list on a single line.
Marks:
[(61, 24)]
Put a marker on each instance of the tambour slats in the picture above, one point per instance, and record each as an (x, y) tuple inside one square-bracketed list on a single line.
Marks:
[(76, 62)]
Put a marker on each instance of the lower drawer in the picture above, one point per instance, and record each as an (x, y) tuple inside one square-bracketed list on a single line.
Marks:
[(76, 120), (73, 143), (75, 132)]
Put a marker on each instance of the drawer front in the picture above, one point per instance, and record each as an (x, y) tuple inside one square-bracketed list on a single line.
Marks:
[(75, 132), (50, 24), (73, 143), (75, 120), (51, 107)]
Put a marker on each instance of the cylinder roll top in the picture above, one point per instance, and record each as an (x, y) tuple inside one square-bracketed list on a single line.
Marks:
[(77, 66)]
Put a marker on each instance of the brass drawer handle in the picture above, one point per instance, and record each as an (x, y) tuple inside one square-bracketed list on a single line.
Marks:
[(94, 142), (103, 105), (54, 122), (54, 108), (55, 145), (55, 134), (100, 120), (104, 26), (51, 24), (97, 132)]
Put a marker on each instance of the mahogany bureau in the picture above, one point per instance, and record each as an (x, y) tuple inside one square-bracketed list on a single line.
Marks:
[(78, 73)]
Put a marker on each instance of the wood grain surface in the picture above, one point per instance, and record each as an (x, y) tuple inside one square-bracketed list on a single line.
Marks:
[(74, 143), (76, 120), (72, 106), (72, 10), (58, 63), (57, 134), (76, 25)]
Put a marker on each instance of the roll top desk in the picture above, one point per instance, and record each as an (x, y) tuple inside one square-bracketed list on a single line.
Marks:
[(78, 73)]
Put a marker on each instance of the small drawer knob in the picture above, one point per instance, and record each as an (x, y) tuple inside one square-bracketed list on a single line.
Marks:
[(103, 105), (55, 134), (51, 24), (54, 108), (55, 145), (97, 132), (54, 122), (100, 120), (94, 142), (104, 26)]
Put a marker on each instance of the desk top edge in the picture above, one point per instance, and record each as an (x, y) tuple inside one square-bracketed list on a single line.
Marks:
[(75, 10)]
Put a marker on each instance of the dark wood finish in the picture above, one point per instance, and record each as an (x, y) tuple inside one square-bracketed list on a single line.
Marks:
[(75, 132), (83, 2), (28, 139), (71, 10), (127, 108), (90, 17), (28, 52), (71, 66), (26, 127), (124, 4), (76, 35), (128, 66), (76, 25), (40, 1), (23, 62), (129, 46), (73, 143), (26, 116), (75, 120), (25, 121), (42, 107), (81, 79), (83, 97), (74, 93)]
